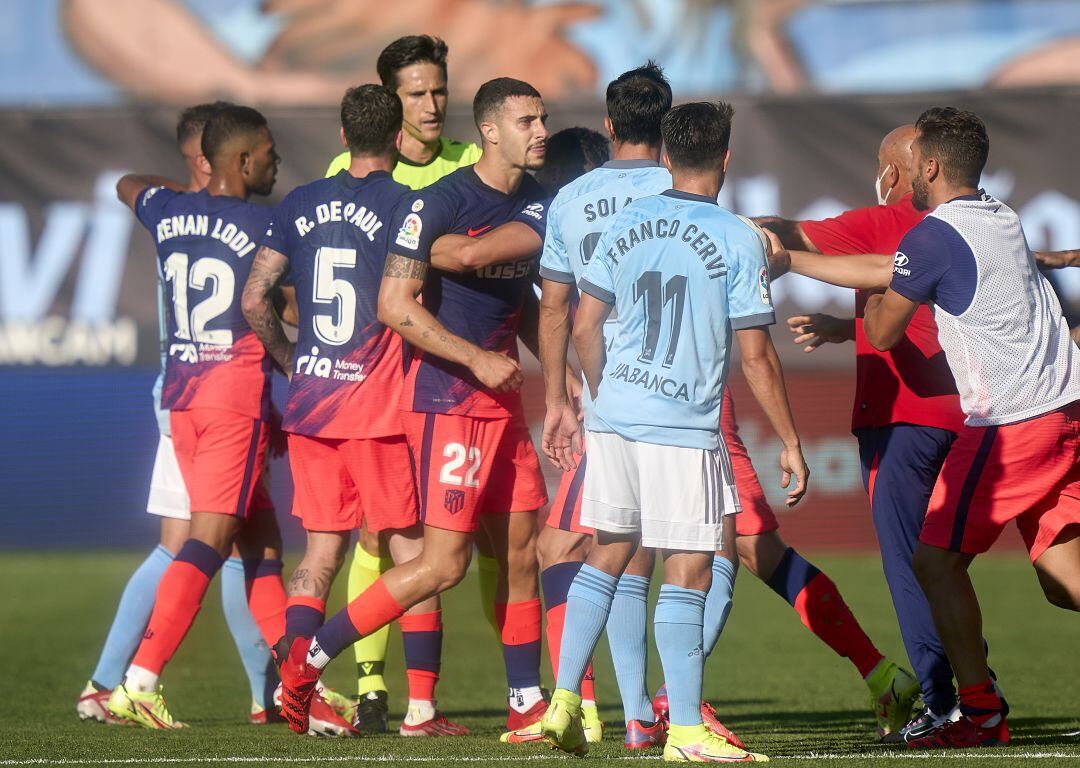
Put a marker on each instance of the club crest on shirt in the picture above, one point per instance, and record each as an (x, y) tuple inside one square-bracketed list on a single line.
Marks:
[(454, 501), (409, 234)]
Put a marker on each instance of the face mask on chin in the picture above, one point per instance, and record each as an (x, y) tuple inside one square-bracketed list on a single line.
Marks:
[(882, 200)]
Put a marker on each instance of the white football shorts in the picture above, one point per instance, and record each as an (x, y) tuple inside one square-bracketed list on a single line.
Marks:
[(675, 497), (168, 494)]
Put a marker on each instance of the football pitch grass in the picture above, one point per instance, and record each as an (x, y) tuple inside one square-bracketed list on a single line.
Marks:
[(773, 683)]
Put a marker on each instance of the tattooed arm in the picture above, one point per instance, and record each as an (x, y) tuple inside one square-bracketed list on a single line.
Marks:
[(258, 308), (399, 309)]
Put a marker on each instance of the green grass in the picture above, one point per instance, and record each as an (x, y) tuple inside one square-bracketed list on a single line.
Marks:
[(775, 684)]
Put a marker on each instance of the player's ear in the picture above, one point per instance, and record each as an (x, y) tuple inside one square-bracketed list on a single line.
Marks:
[(609, 128), (244, 159), (398, 139), (932, 169), (341, 131), (665, 160), (490, 132), (202, 164), (727, 158)]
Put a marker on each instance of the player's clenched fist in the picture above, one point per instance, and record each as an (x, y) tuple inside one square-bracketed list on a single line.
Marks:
[(497, 371)]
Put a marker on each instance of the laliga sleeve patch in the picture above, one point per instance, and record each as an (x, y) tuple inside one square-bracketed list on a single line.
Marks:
[(763, 285), (409, 234), (150, 193)]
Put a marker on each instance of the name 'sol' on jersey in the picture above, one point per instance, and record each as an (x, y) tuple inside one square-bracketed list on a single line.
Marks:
[(205, 246), (346, 379), (682, 273), (483, 306)]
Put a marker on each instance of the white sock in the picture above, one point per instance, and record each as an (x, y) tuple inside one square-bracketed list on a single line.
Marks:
[(140, 680), (315, 655), (523, 699), (588, 703), (420, 711)]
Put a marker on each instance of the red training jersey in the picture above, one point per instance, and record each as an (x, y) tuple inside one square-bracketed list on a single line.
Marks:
[(911, 383)]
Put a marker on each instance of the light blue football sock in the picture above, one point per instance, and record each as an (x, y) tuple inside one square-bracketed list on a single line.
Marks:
[(718, 602), (627, 638), (587, 605), (132, 616), (680, 614), (255, 656)]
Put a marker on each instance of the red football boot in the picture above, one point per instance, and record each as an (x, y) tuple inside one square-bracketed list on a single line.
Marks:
[(963, 734), (298, 679), (641, 736)]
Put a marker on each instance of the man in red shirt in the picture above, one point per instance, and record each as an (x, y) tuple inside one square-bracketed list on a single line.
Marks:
[(906, 412)]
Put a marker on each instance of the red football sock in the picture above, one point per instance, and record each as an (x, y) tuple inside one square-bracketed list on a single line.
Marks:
[(266, 598), (373, 609), (981, 704), (555, 618), (179, 597), (422, 636), (519, 625), (824, 612)]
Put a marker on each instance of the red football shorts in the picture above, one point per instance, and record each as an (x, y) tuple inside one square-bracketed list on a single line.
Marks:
[(756, 516), (340, 484), (221, 456), (1028, 472), (467, 467)]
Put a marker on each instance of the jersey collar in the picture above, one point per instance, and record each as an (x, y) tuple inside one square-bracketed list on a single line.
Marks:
[(406, 161), (627, 164), (351, 182), (679, 194)]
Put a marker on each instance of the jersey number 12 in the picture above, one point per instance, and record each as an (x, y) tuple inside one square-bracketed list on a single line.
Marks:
[(192, 326)]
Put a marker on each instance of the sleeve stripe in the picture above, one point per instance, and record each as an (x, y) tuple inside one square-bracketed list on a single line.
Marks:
[(596, 291), (753, 321), (555, 275)]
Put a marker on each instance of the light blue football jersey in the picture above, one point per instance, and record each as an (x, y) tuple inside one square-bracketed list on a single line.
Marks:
[(682, 274), (577, 216)]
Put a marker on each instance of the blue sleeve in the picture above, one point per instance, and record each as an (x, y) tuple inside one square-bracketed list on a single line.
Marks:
[(598, 279), (535, 215), (420, 219), (150, 205), (277, 233), (555, 262), (921, 261), (749, 298)]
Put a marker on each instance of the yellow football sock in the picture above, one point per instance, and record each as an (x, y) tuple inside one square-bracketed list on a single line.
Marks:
[(489, 580), (370, 651)]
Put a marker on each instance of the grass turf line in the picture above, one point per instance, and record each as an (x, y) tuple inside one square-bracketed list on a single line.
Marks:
[(775, 684)]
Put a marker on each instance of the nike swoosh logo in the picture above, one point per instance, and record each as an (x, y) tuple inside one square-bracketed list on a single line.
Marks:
[(478, 230)]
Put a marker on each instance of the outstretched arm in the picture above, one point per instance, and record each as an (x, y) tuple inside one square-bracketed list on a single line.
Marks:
[(132, 185), (257, 305), (1057, 259), (866, 271), (506, 244), (761, 367), (403, 278)]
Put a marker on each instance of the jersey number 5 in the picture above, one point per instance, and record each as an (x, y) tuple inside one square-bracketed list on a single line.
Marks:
[(192, 326), (653, 299), (336, 328)]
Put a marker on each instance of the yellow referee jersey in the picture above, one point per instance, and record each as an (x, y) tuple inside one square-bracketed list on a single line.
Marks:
[(452, 155)]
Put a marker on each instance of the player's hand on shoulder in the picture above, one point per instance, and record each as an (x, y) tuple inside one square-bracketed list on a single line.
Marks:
[(793, 465), (497, 371), (777, 255), (819, 328)]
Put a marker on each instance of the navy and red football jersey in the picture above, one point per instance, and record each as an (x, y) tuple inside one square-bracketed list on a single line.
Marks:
[(205, 245), (483, 306), (347, 377)]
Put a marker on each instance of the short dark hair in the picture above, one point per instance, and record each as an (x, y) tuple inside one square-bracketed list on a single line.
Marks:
[(371, 119), (572, 152), (492, 94), (230, 122), (406, 51), (636, 103), (957, 140), (194, 119), (696, 135)]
